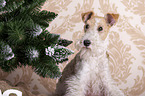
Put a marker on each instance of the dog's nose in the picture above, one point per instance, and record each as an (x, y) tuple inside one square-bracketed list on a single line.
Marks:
[(87, 42)]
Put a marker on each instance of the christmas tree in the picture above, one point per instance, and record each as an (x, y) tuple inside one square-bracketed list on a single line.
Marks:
[(24, 39)]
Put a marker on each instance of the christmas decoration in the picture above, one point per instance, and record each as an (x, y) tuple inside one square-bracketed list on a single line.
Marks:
[(2, 3), (24, 39)]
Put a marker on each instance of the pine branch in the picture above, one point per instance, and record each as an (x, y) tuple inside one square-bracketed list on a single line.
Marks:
[(7, 62), (24, 39), (47, 68), (10, 5), (33, 5), (46, 18), (64, 42)]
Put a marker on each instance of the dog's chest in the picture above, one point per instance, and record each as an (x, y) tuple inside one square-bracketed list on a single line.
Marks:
[(91, 66), (90, 73)]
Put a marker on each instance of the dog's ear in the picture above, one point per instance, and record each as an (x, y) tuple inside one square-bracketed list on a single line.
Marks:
[(86, 16), (111, 19)]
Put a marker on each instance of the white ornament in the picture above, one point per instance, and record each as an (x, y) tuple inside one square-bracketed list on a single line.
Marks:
[(49, 51), (10, 91)]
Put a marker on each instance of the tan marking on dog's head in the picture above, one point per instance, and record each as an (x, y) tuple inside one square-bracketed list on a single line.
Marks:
[(86, 16), (99, 24)]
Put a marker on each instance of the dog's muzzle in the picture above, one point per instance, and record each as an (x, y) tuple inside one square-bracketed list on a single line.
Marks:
[(87, 43)]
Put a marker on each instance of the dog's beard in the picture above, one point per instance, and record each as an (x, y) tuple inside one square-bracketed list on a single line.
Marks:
[(85, 52)]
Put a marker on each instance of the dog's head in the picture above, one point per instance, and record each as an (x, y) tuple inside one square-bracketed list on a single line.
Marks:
[(96, 28)]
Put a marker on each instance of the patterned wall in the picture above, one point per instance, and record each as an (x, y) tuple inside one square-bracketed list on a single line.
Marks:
[(126, 49)]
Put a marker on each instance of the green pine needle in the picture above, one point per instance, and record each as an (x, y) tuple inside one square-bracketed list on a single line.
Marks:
[(64, 42), (15, 33), (47, 68), (24, 39)]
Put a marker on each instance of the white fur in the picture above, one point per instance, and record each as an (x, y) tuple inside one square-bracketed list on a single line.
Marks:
[(90, 76)]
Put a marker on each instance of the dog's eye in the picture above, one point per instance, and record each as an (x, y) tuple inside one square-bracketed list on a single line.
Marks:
[(87, 26), (100, 28)]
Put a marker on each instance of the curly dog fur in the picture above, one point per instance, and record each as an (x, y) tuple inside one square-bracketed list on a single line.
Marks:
[(88, 73)]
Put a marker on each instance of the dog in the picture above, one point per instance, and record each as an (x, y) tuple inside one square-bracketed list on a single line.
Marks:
[(88, 73)]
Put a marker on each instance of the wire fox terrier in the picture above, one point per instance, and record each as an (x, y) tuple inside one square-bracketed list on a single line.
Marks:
[(88, 73)]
